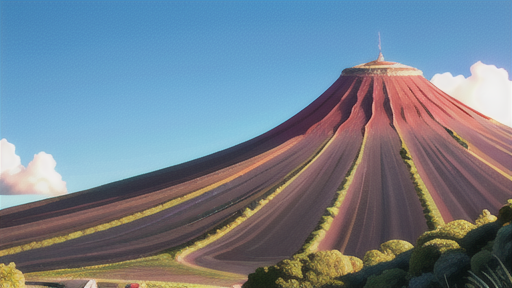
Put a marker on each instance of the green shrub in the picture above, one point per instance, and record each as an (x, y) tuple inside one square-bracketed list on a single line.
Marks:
[(10, 277), (291, 283), (505, 213), (454, 230), (263, 277), (330, 263), (388, 251), (292, 268), (479, 238), (424, 257), (485, 217), (374, 257), (389, 278), (312, 270), (358, 279)]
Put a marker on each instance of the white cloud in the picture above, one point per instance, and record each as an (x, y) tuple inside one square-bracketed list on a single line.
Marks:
[(39, 177), (487, 90)]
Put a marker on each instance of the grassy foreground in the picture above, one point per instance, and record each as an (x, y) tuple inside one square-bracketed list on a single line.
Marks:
[(151, 272)]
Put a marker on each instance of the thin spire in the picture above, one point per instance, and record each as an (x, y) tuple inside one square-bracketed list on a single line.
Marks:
[(380, 47), (381, 57)]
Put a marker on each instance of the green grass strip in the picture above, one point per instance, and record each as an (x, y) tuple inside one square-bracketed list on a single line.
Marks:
[(430, 210), (163, 262), (104, 226), (247, 213), (464, 143), (314, 239)]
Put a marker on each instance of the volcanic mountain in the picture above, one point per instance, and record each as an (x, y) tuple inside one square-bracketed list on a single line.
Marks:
[(382, 154)]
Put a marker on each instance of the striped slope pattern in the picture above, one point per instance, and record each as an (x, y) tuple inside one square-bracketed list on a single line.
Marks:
[(382, 154)]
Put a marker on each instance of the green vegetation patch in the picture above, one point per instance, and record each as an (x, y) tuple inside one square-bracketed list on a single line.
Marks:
[(388, 251), (10, 277), (432, 214), (457, 138), (312, 270), (424, 257), (454, 230), (164, 263)]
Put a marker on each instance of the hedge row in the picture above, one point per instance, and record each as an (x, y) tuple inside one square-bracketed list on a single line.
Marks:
[(212, 236), (432, 214), (108, 225), (318, 234)]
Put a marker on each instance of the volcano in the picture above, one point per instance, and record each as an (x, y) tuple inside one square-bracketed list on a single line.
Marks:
[(382, 154)]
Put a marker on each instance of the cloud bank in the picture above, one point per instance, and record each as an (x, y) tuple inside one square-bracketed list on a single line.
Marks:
[(487, 90), (39, 177)]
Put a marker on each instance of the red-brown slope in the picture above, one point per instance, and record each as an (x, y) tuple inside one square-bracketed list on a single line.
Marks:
[(280, 228), (374, 110), (188, 220), (461, 185), (381, 203)]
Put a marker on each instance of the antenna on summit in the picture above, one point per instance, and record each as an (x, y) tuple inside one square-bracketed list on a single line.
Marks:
[(381, 57)]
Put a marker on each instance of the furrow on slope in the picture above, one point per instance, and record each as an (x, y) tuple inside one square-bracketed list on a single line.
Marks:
[(280, 228), (27, 226), (458, 182), (496, 149), (159, 180), (17, 231), (487, 139), (165, 229), (188, 220), (380, 203), (102, 217)]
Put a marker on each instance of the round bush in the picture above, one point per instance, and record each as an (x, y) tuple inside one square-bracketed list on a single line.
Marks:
[(388, 251), (423, 258), (479, 237), (395, 247), (330, 263), (374, 257), (10, 277), (454, 230)]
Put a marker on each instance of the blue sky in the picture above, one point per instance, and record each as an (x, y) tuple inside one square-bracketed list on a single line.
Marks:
[(113, 89)]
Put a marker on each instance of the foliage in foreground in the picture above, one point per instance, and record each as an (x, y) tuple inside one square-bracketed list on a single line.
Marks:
[(312, 270), (10, 277), (457, 254)]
